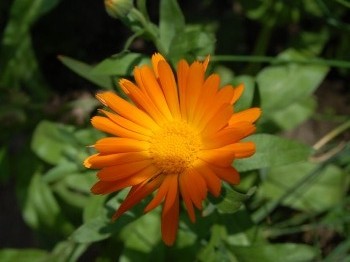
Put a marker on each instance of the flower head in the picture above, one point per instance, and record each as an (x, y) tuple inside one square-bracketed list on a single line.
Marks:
[(178, 137), (118, 9)]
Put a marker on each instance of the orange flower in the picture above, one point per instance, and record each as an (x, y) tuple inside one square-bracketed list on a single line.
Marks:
[(179, 137)]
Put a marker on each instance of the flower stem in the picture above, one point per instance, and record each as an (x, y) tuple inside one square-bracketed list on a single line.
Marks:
[(276, 60)]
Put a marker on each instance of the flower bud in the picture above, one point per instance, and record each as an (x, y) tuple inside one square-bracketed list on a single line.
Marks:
[(118, 9)]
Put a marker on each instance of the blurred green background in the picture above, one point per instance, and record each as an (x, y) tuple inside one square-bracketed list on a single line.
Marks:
[(293, 57)]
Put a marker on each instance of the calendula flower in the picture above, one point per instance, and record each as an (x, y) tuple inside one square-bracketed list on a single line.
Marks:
[(178, 137)]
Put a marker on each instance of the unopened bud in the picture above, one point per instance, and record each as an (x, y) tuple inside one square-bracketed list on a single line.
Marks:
[(119, 8)]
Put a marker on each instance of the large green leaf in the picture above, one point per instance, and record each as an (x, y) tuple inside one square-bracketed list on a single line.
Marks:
[(53, 142), (84, 70), (315, 192), (294, 114), (274, 253), (23, 255), (283, 85), (141, 237), (193, 42), (101, 227), (272, 151), (41, 210), (171, 23)]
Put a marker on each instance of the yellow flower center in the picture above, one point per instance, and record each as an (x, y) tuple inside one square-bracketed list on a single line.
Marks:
[(174, 147)]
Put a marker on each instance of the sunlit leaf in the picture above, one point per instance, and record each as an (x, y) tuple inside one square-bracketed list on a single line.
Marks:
[(318, 193), (283, 85), (272, 151), (294, 114)]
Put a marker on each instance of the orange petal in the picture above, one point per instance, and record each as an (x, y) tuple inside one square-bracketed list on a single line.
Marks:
[(139, 193), (182, 72), (100, 160), (168, 84), (106, 187), (238, 92), (120, 145), (218, 121), (228, 174), (242, 149), (172, 193), (218, 157), (156, 58), (195, 82), (106, 125), (161, 193), (185, 189), (210, 88), (127, 124), (125, 109), (154, 91), (249, 115), (228, 135), (170, 219), (198, 189), (121, 171), (206, 62), (212, 181), (142, 101)]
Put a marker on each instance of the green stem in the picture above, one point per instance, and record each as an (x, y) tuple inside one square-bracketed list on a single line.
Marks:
[(269, 59), (331, 135), (149, 28)]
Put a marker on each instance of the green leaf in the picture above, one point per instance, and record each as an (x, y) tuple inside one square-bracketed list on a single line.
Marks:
[(74, 188), (319, 192), (88, 136), (67, 251), (23, 255), (84, 70), (121, 64), (294, 114), (283, 85), (53, 142), (272, 151), (141, 237), (94, 207), (274, 253), (41, 210), (195, 41), (171, 24), (102, 227)]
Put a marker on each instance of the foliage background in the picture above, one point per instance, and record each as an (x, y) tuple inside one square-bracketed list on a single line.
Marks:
[(293, 203)]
